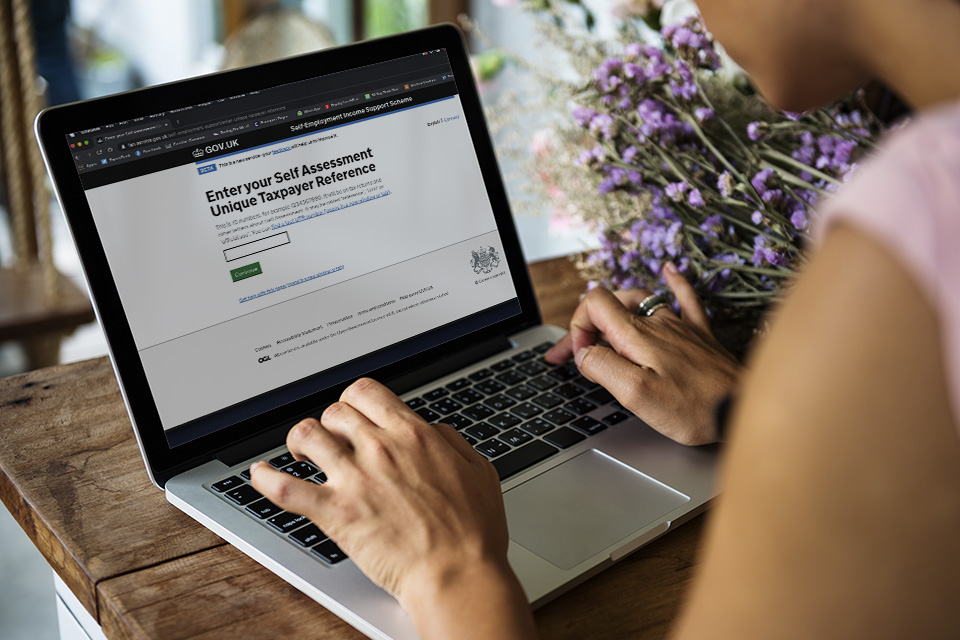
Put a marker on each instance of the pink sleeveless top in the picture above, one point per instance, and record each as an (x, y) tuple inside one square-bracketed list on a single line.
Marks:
[(907, 197)]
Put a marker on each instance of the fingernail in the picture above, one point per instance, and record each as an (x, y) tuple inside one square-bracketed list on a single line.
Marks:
[(672, 268), (580, 355)]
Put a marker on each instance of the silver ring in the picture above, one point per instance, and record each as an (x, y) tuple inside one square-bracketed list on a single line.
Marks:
[(649, 305)]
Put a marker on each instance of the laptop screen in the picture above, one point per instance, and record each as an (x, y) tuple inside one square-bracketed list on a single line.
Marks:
[(270, 244)]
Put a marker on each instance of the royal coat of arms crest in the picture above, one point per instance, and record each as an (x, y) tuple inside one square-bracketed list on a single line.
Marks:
[(485, 260)]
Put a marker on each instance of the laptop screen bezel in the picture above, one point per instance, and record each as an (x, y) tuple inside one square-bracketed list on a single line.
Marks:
[(54, 124)]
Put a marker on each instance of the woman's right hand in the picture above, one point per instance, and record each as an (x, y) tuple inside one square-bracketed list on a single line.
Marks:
[(669, 371)]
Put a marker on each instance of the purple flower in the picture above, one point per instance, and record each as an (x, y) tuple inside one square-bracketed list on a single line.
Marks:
[(799, 219), (761, 180), (677, 190), (703, 114), (633, 50), (756, 131), (725, 184), (695, 198), (712, 226), (604, 124), (583, 116), (629, 154), (757, 218)]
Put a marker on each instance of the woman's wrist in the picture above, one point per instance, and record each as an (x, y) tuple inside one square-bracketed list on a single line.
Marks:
[(472, 599)]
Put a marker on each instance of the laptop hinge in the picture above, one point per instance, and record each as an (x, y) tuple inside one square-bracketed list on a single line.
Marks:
[(448, 364), (255, 445)]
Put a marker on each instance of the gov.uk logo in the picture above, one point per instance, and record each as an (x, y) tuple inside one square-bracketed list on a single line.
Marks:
[(485, 260)]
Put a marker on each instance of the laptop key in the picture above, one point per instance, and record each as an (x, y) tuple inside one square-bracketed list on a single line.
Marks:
[(458, 421), (329, 552), (615, 417), (482, 431), (427, 414), (300, 469), (245, 474), (282, 460), (503, 365), (470, 441), (526, 410), (515, 437), (564, 437), (588, 425), (559, 416), (492, 448), (538, 427), (478, 412), (458, 384), (521, 393), (600, 396), (468, 396), (524, 356), (542, 383), (308, 535), (490, 387), (483, 374), (543, 347), (445, 406), (523, 458), (286, 521), (580, 406), (499, 402), (532, 368), (565, 372), (435, 394), (226, 484), (263, 509), (320, 478), (416, 403), (568, 391), (583, 382), (511, 378), (548, 400), (504, 420), (243, 495)]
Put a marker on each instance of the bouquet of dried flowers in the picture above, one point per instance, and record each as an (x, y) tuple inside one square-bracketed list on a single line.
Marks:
[(671, 157)]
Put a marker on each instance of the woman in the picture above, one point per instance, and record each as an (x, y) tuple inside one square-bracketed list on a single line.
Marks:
[(841, 508)]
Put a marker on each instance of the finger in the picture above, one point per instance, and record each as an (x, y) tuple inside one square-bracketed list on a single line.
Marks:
[(345, 421), (624, 379), (380, 405), (560, 352), (285, 491), (603, 315), (691, 308), (309, 439)]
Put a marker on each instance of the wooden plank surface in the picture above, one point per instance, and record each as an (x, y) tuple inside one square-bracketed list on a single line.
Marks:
[(71, 474)]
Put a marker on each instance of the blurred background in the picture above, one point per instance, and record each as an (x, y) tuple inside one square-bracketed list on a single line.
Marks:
[(58, 51)]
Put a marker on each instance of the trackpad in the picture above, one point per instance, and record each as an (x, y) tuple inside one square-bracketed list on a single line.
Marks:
[(583, 506)]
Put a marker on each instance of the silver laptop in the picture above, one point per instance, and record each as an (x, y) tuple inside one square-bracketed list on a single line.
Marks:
[(256, 240)]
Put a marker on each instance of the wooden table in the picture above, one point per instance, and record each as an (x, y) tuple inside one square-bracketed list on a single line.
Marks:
[(72, 476)]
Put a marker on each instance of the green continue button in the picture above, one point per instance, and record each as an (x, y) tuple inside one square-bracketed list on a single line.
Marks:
[(245, 272)]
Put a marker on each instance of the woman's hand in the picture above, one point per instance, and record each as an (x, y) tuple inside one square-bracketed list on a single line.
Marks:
[(671, 372), (414, 505)]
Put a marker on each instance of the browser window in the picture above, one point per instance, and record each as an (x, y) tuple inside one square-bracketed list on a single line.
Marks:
[(291, 240)]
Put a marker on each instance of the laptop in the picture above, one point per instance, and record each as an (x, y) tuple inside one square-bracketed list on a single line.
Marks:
[(255, 240)]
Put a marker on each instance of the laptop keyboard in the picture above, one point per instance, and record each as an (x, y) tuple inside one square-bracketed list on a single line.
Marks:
[(517, 412)]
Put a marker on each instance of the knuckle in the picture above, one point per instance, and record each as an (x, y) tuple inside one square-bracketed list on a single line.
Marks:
[(331, 411)]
